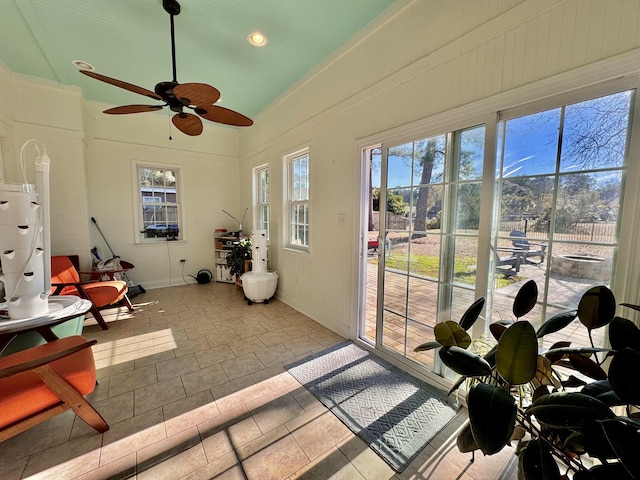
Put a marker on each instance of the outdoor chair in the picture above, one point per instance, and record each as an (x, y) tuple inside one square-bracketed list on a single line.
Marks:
[(65, 280), (513, 258), (40, 382), (520, 241)]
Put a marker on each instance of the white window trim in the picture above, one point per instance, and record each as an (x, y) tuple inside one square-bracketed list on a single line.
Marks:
[(256, 197), (139, 238), (287, 159)]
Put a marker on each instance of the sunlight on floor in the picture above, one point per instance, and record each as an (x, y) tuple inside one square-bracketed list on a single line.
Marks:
[(109, 353)]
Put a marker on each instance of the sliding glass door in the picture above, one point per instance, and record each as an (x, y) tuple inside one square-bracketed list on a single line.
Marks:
[(534, 194), (426, 235)]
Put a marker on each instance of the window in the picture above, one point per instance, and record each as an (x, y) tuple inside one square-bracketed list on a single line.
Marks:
[(427, 196), (261, 198), (158, 200), (298, 199), (558, 197)]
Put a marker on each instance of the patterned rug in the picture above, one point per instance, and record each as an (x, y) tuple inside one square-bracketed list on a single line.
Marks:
[(395, 413)]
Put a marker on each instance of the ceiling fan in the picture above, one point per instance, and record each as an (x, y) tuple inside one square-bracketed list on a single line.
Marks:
[(198, 97)]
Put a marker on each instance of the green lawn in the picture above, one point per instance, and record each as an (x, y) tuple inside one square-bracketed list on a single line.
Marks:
[(464, 268)]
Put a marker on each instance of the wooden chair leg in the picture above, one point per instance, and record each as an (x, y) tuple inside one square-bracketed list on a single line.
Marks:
[(98, 316), (72, 398), (127, 302)]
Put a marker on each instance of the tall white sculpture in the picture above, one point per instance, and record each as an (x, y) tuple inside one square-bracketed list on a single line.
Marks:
[(24, 240)]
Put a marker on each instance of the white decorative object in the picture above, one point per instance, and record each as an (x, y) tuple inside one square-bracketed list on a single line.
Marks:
[(259, 285), (24, 241)]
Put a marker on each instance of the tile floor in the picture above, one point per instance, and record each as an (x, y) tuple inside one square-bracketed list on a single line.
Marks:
[(193, 387)]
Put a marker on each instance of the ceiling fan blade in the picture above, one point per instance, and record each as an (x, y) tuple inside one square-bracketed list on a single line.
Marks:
[(196, 93), (223, 115), (132, 109), (187, 123), (119, 83)]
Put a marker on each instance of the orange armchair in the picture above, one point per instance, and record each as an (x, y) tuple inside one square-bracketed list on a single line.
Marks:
[(41, 382), (65, 280)]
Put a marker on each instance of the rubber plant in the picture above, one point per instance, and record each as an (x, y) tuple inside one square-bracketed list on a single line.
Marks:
[(569, 415), (236, 258)]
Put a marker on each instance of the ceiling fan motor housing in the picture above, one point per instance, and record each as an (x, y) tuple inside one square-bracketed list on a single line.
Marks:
[(171, 7)]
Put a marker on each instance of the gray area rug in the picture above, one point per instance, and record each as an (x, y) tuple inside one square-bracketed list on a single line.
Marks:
[(394, 413)]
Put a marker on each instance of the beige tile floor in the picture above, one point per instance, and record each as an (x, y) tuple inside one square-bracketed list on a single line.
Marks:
[(193, 387)]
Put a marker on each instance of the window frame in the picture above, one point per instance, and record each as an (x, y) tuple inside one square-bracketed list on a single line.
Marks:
[(627, 169), (292, 202), (261, 207), (138, 215)]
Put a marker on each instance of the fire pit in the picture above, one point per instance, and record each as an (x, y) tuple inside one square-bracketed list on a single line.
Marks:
[(582, 266)]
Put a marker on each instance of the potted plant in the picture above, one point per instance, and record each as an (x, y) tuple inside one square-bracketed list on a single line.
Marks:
[(573, 407), (239, 256)]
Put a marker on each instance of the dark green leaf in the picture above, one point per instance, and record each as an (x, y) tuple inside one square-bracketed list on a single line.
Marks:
[(499, 327), (526, 299), (449, 333), (597, 307), (596, 446), (556, 323), (570, 350), (555, 358), (490, 356), (624, 439), (472, 314), (603, 472), (492, 414), (623, 372), (427, 346), (464, 362), (569, 410), (594, 389), (630, 305), (587, 367), (465, 441), (537, 462), (624, 333), (517, 354), (573, 381), (456, 385), (611, 399)]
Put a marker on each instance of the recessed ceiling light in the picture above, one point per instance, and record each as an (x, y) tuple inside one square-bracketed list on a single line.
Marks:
[(257, 39), (83, 65)]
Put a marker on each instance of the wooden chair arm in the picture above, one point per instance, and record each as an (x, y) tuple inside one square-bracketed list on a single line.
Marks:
[(66, 284), (77, 285), (73, 284), (13, 369)]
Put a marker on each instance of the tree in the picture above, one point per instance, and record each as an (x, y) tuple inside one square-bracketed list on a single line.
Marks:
[(395, 202), (468, 208), (516, 199), (595, 131), (427, 159)]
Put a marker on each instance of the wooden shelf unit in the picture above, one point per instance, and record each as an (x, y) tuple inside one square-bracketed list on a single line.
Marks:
[(223, 245)]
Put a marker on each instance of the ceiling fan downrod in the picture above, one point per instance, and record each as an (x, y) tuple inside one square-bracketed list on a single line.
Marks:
[(172, 7)]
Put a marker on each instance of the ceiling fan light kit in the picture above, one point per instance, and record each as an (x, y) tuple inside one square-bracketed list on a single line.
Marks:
[(199, 97)]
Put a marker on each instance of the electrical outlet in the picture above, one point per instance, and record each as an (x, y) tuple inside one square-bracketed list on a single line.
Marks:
[(182, 260)]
